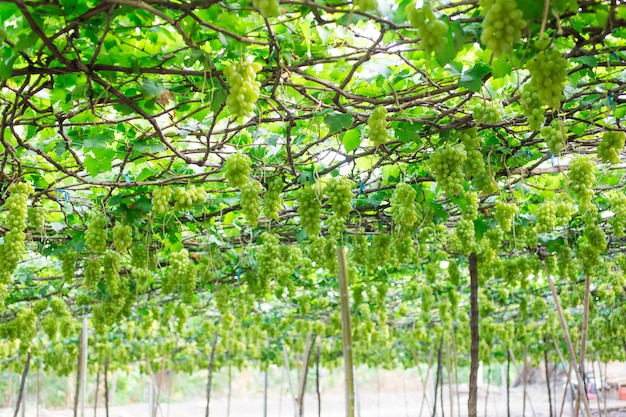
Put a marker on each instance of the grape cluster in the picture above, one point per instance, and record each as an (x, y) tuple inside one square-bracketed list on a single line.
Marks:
[(309, 209), (244, 89), (237, 169), (447, 165), (502, 25), (472, 143), (380, 251), (272, 202), (546, 216), (338, 190), (618, 207), (366, 5), (471, 208), (487, 112), (377, 123), (112, 264), (267, 258), (93, 272), (186, 198), (486, 183), (268, 8), (68, 265), (564, 212), (611, 146), (532, 107), (251, 200), (504, 215), (96, 234), (122, 237), (555, 135), (404, 208), (548, 72), (582, 178), (465, 234), (431, 30), (181, 273), (14, 240), (37, 217), (161, 199)]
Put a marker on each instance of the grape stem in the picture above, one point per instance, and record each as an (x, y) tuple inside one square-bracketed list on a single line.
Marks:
[(544, 19)]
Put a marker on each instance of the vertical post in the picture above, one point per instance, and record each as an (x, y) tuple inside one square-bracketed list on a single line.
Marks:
[(210, 376), (347, 330), (472, 402), (265, 393), (83, 366), (20, 395)]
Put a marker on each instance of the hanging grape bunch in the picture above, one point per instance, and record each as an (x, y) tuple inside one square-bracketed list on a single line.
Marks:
[(267, 259), (564, 212), (504, 215), (548, 73), (37, 218), (68, 265), (237, 169), (93, 272), (611, 146), (465, 233), (502, 25), (447, 165), (244, 89), (338, 190), (366, 5), (96, 234), (14, 240), (546, 216), (487, 112), (186, 198), (532, 107), (618, 207), (251, 200), (582, 179), (161, 199), (181, 273), (555, 136), (268, 8), (309, 209), (471, 208), (122, 237), (404, 208), (272, 202), (112, 264), (377, 123), (472, 143), (431, 30)]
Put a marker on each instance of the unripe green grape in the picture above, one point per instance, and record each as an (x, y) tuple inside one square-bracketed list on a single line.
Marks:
[(272, 202), (555, 136), (611, 147), (582, 179), (122, 237), (68, 265), (532, 107), (487, 112), (548, 73), (505, 214), (618, 207), (432, 31), (502, 25), (96, 234), (546, 216), (244, 89), (447, 165), (268, 8), (251, 201), (377, 123), (161, 200), (309, 209), (37, 218), (237, 169)]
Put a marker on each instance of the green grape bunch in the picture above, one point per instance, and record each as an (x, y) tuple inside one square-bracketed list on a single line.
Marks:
[(431, 30), (555, 136), (472, 143), (548, 73), (161, 199), (546, 216), (339, 192), (237, 169), (502, 25), (611, 146), (244, 89), (404, 209), (268, 8), (532, 107), (487, 112), (272, 202), (377, 123), (251, 201), (447, 165), (309, 207), (37, 218), (268, 258), (68, 265), (505, 214), (618, 207), (186, 198), (96, 233), (564, 212), (122, 237), (366, 5), (582, 179)]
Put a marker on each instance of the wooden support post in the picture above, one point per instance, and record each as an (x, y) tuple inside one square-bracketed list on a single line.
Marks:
[(83, 366), (472, 402), (347, 330)]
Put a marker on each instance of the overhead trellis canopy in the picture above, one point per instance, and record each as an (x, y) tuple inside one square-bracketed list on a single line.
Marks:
[(191, 152)]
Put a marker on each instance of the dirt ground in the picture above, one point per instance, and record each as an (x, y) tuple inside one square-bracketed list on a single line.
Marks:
[(372, 404)]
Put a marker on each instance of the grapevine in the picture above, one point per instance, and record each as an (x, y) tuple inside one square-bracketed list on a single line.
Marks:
[(244, 89), (505, 213), (555, 135), (447, 165), (502, 25), (548, 72), (122, 237), (377, 123), (272, 202), (251, 200), (237, 169), (611, 147), (96, 234), (431, 30), (309, 210)]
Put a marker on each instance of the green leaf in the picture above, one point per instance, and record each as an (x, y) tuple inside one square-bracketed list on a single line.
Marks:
[(473, 78), (351, 140), (151, 89), (591, 61), (338, 121), (501, 67), (408, 132)]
